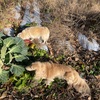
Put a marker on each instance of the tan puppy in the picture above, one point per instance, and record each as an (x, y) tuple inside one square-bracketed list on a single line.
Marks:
[(49, 71), (36, 32)]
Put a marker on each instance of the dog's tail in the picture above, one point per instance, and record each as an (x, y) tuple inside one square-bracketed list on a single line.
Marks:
[(77, 82), (81, 86)]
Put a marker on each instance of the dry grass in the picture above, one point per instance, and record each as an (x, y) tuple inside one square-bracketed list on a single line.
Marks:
[(75, 6), (79, 8), (78, 15), (58, 6), (83, 6), (53, 3), (6, 14)]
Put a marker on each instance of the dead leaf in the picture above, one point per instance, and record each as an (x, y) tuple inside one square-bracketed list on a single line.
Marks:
[(4, 94)]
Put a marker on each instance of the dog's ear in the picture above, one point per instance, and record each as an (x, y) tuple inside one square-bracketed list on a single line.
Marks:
[(30, 68), (33, 66), (41, 40)]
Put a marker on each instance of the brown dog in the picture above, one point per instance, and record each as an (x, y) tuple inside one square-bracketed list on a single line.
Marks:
[(36, 32), (49, 71)]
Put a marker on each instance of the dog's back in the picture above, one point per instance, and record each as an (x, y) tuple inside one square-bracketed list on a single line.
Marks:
[(36, 32), (49, 71)]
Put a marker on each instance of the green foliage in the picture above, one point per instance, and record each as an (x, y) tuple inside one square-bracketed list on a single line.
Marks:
[(9, 41), (3, 75), (96, 69), (17, 69), (39, 53), (60, 57), (82, 68), (31, 24), (93, 70), (21, 82), (12, 53), (19, 57), (3, 52)]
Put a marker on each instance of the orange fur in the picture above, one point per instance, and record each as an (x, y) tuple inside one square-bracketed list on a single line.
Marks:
[(35, 32), (49, 71)]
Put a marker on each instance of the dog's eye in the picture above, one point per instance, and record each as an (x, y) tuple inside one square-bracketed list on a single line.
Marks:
[(30, 39)]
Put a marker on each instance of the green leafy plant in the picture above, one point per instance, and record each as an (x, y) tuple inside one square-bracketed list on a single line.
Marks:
[(60, 57), (12, 53), (38, 53), (96, 68), (21, 82)]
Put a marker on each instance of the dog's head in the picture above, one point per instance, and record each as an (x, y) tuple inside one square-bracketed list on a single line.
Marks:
[(33, 66)]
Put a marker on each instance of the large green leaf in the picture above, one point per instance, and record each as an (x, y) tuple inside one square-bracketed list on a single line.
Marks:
[(1, 63), (17, 70), (1, 34), (19, 57), (3, 52), (24, 50), (9, 41), (8, 58), (4, 75), (19, 41), (1, 43), (15, 49)]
